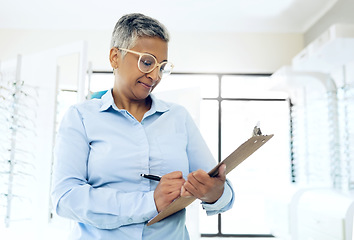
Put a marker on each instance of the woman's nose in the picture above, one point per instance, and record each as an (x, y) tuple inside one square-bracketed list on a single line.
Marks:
[(154, 74)]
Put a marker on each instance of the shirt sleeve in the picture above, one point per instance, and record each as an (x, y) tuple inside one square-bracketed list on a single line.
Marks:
[(200, 157), (73, 197), (223, 204)]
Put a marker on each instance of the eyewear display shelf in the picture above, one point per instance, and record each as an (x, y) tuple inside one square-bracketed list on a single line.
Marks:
[(17, 133)]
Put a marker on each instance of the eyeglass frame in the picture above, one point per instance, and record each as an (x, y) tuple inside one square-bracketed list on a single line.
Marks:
[(157, 64)]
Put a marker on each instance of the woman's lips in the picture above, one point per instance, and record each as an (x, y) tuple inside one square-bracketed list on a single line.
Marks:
[(145, 85)]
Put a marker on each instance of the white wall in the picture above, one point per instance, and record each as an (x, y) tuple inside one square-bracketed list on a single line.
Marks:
[(233, 52), (341, 12), (20, 41), (192, 52)]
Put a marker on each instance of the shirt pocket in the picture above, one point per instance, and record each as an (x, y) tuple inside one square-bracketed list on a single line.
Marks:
[(173, 149)]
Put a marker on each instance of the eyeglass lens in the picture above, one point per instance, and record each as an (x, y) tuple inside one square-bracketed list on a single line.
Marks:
[(147, 63)]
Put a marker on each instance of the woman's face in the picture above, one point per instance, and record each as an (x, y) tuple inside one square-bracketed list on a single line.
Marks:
[(129, 80)]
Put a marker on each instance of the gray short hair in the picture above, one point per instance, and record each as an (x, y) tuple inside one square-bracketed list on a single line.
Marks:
[(131, 27)]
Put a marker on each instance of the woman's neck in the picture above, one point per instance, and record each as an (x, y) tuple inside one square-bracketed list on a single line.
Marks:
[(135, 107)]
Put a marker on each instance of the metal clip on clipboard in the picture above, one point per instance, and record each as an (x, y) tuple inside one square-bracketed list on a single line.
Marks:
[(256, 130)]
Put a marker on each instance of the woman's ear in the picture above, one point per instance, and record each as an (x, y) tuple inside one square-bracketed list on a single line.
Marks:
[(114, 57)]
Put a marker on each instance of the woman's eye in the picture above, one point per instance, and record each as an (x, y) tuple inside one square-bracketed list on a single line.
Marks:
[(147, 63)]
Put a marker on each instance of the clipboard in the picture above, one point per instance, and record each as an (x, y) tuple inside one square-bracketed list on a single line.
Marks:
[(233, 160)]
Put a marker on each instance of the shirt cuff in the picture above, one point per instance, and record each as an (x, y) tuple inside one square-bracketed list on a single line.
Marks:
[(221, 202), (151, 205)]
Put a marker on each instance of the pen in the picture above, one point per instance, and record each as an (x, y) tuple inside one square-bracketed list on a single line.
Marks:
[(151, 177)]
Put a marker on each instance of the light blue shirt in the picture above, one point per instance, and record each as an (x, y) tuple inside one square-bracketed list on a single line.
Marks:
[(100, 153)]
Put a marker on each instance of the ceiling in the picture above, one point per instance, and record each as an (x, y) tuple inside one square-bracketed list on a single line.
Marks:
[(177, 15)]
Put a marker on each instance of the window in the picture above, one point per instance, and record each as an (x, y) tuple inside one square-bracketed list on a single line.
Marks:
[(231, 106)]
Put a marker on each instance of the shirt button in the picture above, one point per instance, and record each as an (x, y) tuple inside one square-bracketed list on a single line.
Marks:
[(130, 220)]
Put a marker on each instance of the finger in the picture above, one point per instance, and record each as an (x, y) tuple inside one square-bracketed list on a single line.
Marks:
[(191, 189), (192, 184), (194, 179), (185, 193), (169, 186), (200, 176), (189, 186), (222, 172), (172, 180), (173, 195), (173, 175)]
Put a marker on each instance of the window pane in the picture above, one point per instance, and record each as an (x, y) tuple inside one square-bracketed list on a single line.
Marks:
[(208, 84), (207, 224), (209, 125), (263, 171), (248, 87)]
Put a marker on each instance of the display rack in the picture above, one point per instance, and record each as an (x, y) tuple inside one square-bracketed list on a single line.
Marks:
[(17, 133)]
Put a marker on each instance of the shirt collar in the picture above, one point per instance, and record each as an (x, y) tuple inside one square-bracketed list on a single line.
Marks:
[(107, 100), (156, 106)]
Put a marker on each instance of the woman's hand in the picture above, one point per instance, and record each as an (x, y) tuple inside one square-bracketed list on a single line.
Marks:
[(200, 185), (168, 189)]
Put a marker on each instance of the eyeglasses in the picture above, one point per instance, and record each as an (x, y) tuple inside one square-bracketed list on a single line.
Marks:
[(147, 63)]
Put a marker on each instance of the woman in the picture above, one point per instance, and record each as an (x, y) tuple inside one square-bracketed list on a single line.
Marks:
[(104, 146)]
